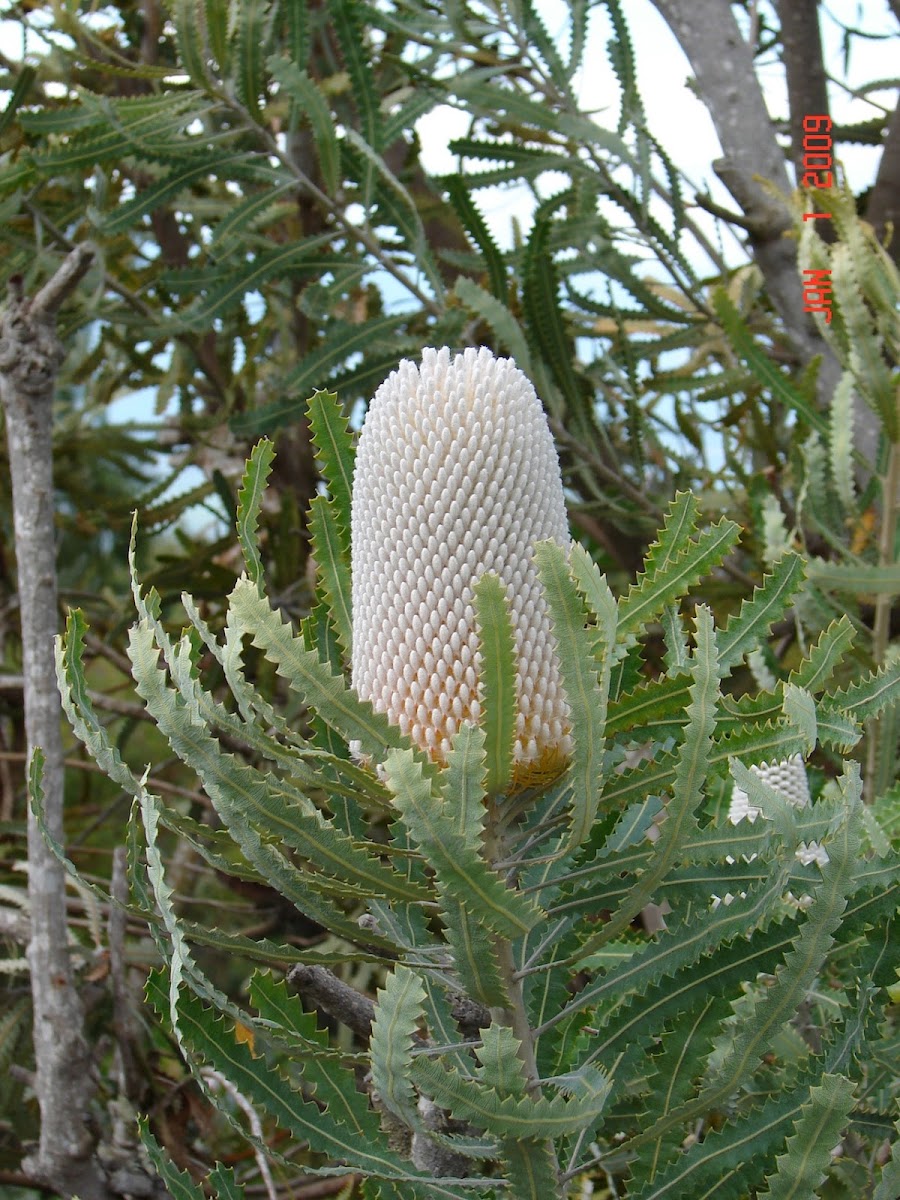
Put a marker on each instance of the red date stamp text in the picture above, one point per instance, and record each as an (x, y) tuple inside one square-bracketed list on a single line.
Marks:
[(818, 172)]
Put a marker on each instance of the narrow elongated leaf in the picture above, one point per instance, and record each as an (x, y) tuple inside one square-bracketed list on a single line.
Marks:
[(161, 193), (238, 281), (354, 50), (282, 1014), (762, 365), (820, 663), (498, 679), (510, 1116), (580, 653), (178, 1182), (192, 38), (730, 1159), (469, 214), (256, 211), (872, 375), (335, 451), (331, 554), (311, 105), (505, 326), (541, 306), (250, 498), (459, 869), (21, 88), (807, 1155), (474, 951), (778, 1002), (662, 584), (689, 780), (463, 783), (251, 47), (847, 577), (889, 1184), (869, 696), (340, 708), (323, 1128), (531, 1167), (234, 788), (399, 1007), (746, 629), (341, 342)]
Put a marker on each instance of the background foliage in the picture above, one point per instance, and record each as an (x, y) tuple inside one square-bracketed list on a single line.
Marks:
[(251, 175)]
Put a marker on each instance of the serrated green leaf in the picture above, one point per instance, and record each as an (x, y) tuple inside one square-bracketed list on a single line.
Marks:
[(228, 291), (310, 104), (317, 367), (474, 950), (344, 1135), (509, 1116), (157, 195), (498, 679), (350, 31), (250, 498), (463, 782), (840, 441), (253, 16), (856, 579), (867, 697), (179, 1183), (531, 1167), (745, 630), (459, 869), (778, 1003), (256, 210), (393, 202), (688, 785), (889, 1183), (224, 1184), (868, 363), (669, 577), (331, 554), (468, 212), (235, 789), (504, 325), (807, 1155), (584, 658), (281, 1013), (762, 365), (543, 315), (820, 663), (341, 709), (335, 451), (18, 95), (501, 1065), (192, 39), (399, 1007)]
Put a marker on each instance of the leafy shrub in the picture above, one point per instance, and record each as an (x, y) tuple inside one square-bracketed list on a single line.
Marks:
[(528, 1031)]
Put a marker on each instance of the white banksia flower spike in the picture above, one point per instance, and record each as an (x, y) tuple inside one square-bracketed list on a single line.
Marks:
[(787, 777), (456, 474)]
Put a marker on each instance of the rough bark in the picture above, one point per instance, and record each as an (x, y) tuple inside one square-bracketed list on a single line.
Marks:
[(30, 355)]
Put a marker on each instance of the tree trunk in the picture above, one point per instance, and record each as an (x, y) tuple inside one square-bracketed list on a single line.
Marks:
[(30, 355)]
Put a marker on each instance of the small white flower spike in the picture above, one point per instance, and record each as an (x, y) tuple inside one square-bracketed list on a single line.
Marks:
[(456, 474), (789, 779)]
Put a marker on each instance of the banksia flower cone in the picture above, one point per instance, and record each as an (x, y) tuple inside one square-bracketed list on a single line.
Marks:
[(456, 474), (787, 777)]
